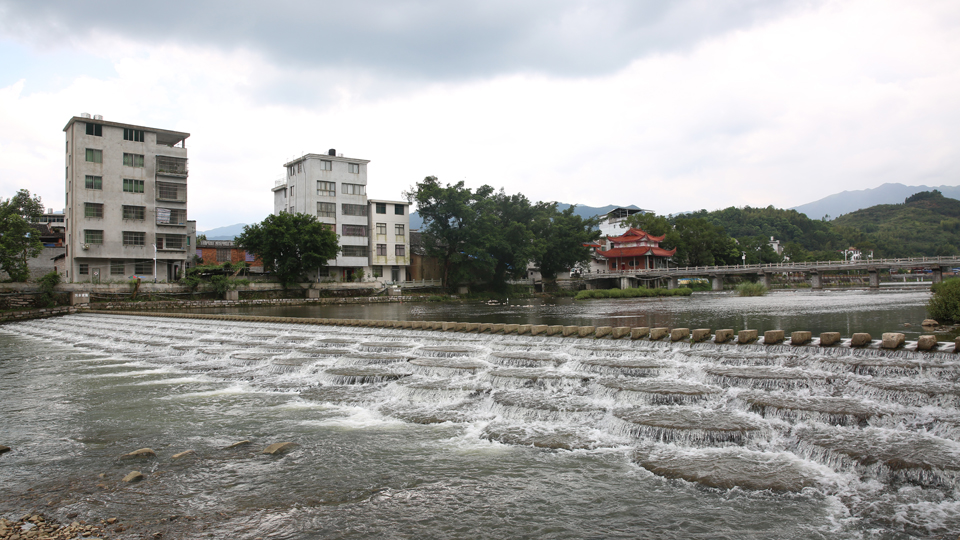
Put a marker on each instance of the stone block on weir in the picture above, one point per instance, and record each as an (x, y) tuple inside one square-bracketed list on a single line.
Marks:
[(699, 334), (638, 332), (926, 343), (723, 336), (678, 334), (772, 337), (892, 340), (801, 337), (860, 339), (538, 329), (586, 331), (656, 334), (524, 329), (510, 328), (496, 328), (620, 331), (829, 338), (570, 330), (555, 329), (460, 327), (747, 336), (473, 327), (603, 331)]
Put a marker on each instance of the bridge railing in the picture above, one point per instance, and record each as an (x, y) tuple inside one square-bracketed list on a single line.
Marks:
[(785, 266)]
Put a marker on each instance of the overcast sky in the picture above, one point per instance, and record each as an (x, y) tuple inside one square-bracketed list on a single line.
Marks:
[(671, 106)]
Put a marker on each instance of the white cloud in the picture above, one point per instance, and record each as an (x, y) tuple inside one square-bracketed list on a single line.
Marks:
[(845, 96)]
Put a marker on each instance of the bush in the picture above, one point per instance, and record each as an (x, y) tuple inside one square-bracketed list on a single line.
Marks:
[(48, 285), (748, 288), (944, 306), (632, 293)]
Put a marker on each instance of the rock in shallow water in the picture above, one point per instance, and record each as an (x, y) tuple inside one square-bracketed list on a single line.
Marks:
[(133, 476), (143, 453), (279, 448)]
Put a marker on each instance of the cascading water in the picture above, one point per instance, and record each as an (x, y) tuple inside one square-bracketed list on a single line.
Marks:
[(875, 432)]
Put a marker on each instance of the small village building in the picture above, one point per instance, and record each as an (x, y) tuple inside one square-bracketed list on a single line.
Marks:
[(223, 251), (635, 250)]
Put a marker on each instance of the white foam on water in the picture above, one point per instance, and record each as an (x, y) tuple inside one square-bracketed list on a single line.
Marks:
[(356, 418)]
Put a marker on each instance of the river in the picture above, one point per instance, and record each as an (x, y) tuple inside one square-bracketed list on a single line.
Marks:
[(410, 434)]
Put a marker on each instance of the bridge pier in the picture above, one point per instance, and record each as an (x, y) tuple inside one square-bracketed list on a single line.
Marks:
[(717, 280), (764, 278), (626, 282), (874, 278), (672, 282), (815, 282), (937, 274)]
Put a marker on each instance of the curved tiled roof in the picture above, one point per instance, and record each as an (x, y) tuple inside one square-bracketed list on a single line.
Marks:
[(634, 235)]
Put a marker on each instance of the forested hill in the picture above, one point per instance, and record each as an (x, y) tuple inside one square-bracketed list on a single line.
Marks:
[(926, 224)]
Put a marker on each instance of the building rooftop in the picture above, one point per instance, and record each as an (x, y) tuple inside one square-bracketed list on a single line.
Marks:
[(165, 137), (327, 156)]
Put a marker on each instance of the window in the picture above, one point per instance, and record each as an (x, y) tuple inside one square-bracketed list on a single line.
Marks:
[(135, 135), (353, 167), (399, 230), (223, 255), (171, 192), (290, 171), (117, 268), (94, 129), (134, 212), (401, 250), (92, 237), (382, 229), (326, 165), (354, 251), (381, 250), (354, 189), (247, 256), (143, 266), (381, 208), (170, 241), (93, 182), (291, 191), (326, 209), (171, 216), (398, 209), (131, 238), (132, 186), (84, 269), (327, 189), (94, 156), (92, 210), (354, 209), (300, 167), (378, 270), (133, 160), (354, 230)]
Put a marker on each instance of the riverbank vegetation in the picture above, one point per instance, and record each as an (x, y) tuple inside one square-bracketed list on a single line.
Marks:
[(748, 288), (639, 292), (290, 245), (944, 305)]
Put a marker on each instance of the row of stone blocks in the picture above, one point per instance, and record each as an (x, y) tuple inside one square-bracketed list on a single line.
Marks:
[(892, 340)]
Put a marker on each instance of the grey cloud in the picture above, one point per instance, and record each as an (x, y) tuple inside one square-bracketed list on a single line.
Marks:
[(406, 39)]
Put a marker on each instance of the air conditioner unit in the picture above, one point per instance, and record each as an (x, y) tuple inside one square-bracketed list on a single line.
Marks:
[(86, 246)]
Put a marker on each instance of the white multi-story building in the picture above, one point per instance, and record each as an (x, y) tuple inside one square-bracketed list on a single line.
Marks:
[(389, 239), (126, 201), (334, 188)]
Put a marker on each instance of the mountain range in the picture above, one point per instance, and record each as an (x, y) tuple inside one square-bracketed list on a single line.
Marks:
[(838, 204)]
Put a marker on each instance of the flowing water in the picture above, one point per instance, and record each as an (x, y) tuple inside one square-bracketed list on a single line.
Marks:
[(410, 434), (846, 312)]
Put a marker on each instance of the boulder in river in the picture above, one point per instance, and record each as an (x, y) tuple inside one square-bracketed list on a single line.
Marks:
[(4, 449), (133, 476), (278, 448), (142, 453), (185, 453), (236, 444)]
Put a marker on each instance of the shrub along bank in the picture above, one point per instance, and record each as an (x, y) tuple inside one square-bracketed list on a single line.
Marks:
[(632, 293), (944, 306)]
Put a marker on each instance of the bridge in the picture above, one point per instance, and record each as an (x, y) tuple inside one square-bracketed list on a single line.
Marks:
[(813, 271)]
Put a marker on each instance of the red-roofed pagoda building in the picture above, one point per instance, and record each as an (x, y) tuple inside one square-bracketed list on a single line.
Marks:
[(635, 250)]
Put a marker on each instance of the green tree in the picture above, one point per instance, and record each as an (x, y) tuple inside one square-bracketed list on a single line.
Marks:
[(290, 245), (19, 241), (649, 223), (559, 240)]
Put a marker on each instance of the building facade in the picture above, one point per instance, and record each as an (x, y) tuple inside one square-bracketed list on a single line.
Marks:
[(126, 202), (226, 251), (635, 250), (334, 189)]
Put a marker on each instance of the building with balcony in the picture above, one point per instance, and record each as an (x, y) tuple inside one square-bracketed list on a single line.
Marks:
[(126, 202), (334, 189)]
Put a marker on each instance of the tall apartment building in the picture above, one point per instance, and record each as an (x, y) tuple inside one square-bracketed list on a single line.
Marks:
[(126, 201), (389, 239), (334, 188)]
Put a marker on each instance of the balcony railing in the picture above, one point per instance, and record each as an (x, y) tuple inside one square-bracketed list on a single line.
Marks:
[(172, 166), (174, 217), (167, 191)]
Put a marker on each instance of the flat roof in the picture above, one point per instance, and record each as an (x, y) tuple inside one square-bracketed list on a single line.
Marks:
[(164, 136), (386, 201), (326, 157)]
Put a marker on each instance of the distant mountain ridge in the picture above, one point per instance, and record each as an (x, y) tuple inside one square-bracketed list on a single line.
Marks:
[(850, 201), (224, 233)]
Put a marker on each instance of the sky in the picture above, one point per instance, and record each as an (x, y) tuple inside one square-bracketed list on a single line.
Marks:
[(668, 105)]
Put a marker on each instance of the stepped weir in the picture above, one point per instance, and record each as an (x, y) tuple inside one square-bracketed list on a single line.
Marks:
[(873, 425)]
